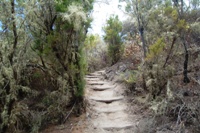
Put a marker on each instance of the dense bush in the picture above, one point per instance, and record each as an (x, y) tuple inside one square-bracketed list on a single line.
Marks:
[(42, 63)]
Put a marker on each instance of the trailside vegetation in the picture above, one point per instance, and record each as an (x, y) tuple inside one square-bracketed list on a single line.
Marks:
[(96, 53), (42, 62), (167, 33)]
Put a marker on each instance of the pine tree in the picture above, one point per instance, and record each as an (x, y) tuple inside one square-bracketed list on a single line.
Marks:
[(113, 29)]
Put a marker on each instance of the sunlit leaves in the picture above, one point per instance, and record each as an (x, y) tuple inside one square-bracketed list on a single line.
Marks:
[(91, 42), (182, 25), (156, 48)]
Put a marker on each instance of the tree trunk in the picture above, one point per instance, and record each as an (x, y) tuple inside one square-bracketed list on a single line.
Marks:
[(14, 31), (174, 39), (185, 71), (10, 102), (141, 29)]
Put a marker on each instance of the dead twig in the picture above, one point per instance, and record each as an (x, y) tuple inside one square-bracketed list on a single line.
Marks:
[(180, 114), (196, 81), (69, 113), (168, 56), (6, 85)]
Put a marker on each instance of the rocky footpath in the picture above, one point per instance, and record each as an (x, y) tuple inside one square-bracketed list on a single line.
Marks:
[(107, 108)]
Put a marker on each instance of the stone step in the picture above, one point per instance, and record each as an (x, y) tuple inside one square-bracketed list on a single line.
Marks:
[(95, 74), (92, 79), (106, 100), (89, 76), (103, 94), (117, 126), (107, 110), (103, 87), (101, 72), (110, 109), (103, 105), (96, 82)]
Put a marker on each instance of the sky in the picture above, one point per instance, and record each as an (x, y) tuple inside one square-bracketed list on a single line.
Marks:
[(102, 11)]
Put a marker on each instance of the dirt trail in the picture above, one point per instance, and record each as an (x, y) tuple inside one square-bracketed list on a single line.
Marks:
[(110, 110), (107, 108)]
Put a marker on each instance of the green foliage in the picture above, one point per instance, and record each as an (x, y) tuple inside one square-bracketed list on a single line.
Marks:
[(112, 30), (91, 42), (169, 28), (42, 63), (182, 25), (130, 77), (156, 48), (96, 53), (157, 78), (171, 12), (81, 73), (113, 37)]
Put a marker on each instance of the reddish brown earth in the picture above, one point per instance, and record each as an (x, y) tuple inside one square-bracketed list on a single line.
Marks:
[(73, 125)]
